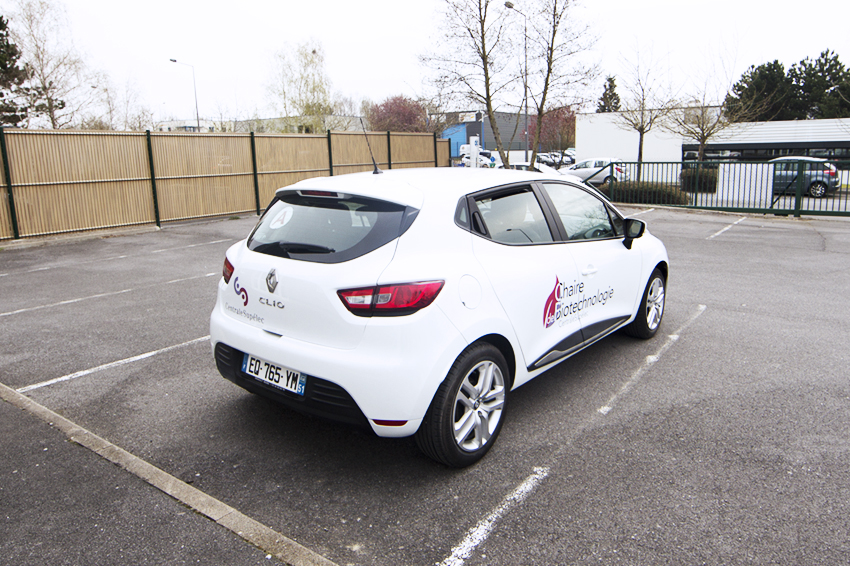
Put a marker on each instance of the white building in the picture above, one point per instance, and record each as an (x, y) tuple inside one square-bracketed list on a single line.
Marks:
[(603, 135)]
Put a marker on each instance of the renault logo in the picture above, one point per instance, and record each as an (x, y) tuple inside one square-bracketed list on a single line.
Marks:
[(271, 281)]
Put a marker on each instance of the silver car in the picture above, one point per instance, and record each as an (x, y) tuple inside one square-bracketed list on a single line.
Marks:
[(819, 176), (599, 171)]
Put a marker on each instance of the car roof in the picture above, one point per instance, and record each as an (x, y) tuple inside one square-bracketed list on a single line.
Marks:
[(798, 158), (410, 186)]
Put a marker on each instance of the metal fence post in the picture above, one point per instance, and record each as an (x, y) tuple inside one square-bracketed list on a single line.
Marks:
[(256, 180), (389, 150), (798, 197), (153, 179), (436, 155), (612, 184), (330, 154), (8, 173)]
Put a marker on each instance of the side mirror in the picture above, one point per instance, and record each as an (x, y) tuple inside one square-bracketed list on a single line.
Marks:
[(634, 229)]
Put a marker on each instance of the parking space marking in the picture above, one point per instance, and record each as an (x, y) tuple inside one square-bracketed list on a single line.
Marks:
[(101, 295), (639, 213), (109, 365), (268, 540), (721, 231), (112, 258), (650, 360), (481, 531)]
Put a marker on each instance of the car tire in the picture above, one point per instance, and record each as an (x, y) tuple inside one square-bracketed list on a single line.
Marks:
[(651, 308), (607, 182), (817, 189), (468, 410)]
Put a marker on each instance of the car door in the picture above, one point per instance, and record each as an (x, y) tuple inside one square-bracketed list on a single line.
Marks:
[(784, 175), (581, 169), (608, 278), (598, 171), (532, 274)]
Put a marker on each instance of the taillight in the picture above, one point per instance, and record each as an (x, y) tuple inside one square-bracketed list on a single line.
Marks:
[(227, 271), (391, 300), (832, 171)]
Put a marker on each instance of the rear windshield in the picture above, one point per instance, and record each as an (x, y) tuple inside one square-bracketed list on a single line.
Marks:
[(330, 228)]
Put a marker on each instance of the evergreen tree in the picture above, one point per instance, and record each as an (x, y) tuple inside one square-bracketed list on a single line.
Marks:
[(810, 89), (610, 100), (768, 88), (823, 87), (11, 78)]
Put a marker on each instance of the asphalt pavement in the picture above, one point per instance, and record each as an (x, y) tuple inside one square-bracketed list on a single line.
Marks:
[(724, 440)]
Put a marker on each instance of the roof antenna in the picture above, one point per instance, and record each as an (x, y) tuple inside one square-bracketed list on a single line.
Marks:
[(376, 171)]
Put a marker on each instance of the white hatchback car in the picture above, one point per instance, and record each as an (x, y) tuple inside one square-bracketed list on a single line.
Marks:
[(599, 170), (413, 301)]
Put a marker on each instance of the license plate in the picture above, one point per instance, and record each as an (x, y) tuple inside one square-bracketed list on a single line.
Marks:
[(273, 374)]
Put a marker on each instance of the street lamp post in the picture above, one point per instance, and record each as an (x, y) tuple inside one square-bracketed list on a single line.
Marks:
[(510, 6), (195, 85)]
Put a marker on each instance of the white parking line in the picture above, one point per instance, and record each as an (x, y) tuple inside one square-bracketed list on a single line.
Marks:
[(109, 365), (721, 231), (650, 360), (481, 531), (641, 212), (101, 295), (275, 544)]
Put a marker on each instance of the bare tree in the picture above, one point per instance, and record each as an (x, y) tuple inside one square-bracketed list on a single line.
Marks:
[(708, 111), (300, 89), (647, 102), (59, 85), (472, 63), (116, 110), (557, 74)]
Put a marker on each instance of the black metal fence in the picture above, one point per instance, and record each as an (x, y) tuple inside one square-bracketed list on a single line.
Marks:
[(789, 186)]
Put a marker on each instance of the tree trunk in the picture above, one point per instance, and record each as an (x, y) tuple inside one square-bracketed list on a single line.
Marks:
[(640, 154)]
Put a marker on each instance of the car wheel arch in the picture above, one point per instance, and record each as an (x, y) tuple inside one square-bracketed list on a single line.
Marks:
[(507, 350)]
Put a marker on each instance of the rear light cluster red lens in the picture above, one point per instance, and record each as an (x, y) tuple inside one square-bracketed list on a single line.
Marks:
[(391, 300), (227, 271)]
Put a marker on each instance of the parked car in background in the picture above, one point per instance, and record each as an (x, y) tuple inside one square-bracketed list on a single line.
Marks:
[(526, 166), (414, 302), (598, 170), (485, 159), (819, 176)]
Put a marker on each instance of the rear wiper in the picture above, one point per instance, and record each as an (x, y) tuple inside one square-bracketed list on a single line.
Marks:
[(302, 248)]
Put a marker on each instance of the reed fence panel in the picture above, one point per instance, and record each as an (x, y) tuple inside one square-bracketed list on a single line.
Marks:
[(286, 159), (200, 175), (351, 151), (70, 181), (412, 150), (64, 181), (444, 153)]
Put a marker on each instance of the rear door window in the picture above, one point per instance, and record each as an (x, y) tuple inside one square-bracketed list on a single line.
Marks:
[(514, 217), (327, 227)]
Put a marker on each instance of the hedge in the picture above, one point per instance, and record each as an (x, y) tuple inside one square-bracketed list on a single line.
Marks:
[(705, 183), (645, 193)]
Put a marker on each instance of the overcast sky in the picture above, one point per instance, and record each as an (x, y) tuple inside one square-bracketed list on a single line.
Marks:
[(372, 46)]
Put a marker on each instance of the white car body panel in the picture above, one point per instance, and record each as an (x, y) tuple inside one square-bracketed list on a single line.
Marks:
[(392, 366)]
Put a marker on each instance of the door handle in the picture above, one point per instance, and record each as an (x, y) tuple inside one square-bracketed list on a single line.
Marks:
[(589, 270)]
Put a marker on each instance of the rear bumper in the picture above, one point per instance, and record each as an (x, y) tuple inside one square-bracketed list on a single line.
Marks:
[(390, 376), (321, 398)]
